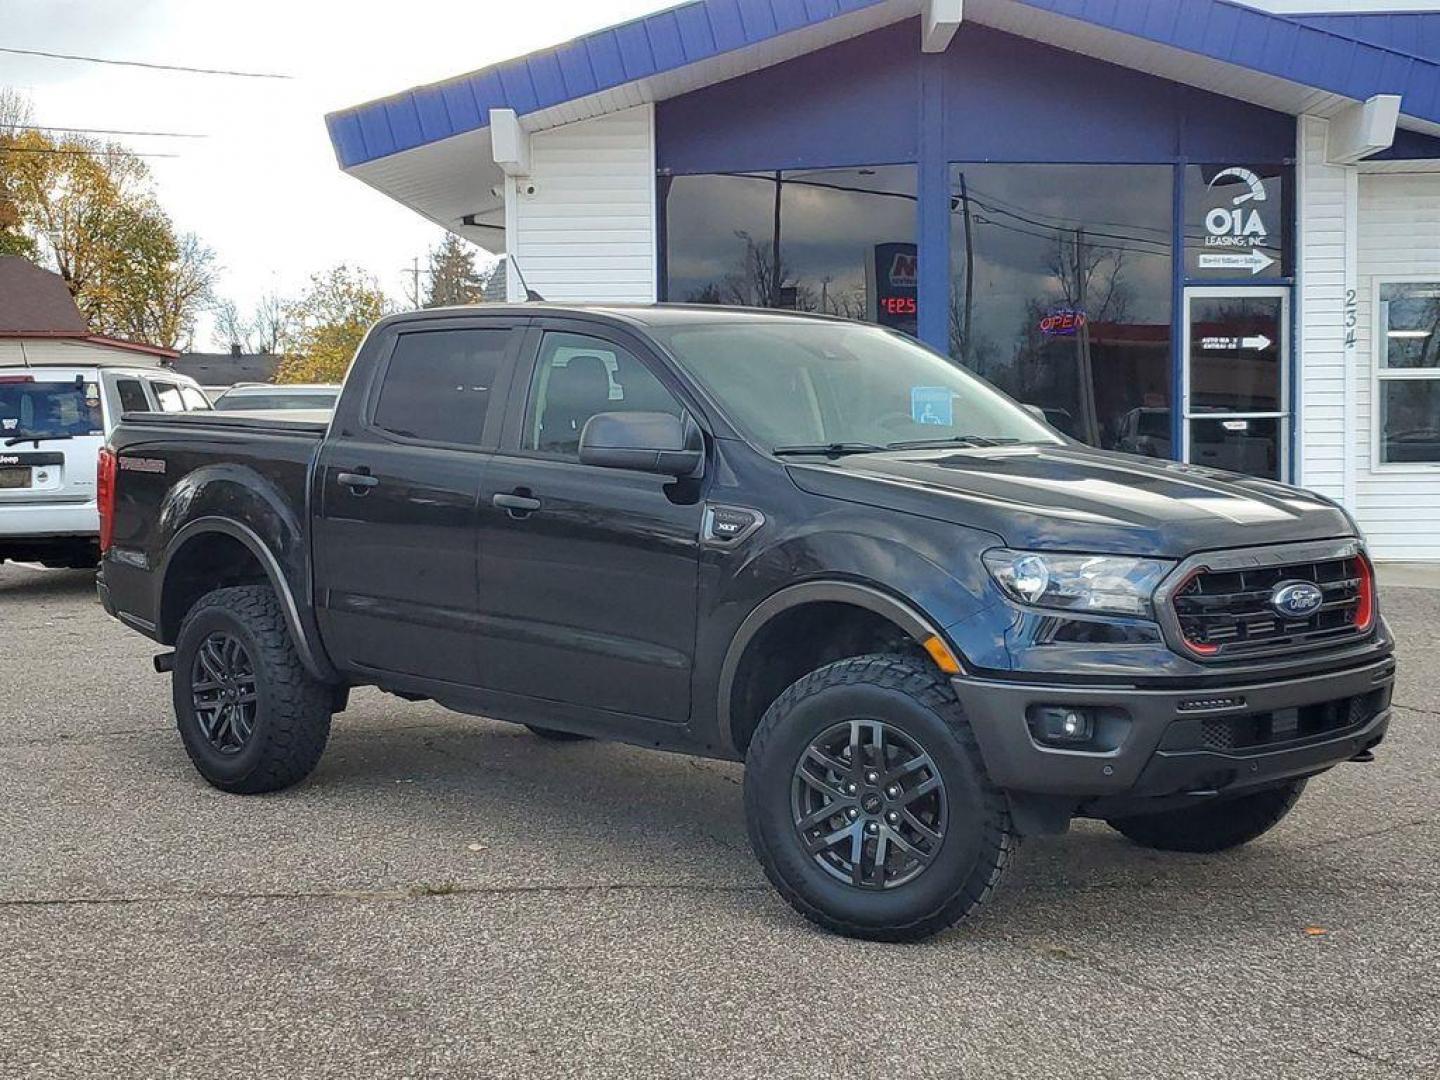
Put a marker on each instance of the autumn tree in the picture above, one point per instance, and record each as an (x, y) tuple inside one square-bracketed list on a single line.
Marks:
[(453, 276), (328, 322), (89, 210)]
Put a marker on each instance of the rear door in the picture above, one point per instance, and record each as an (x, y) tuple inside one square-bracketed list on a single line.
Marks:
[(52, 425), (394, 535), (588, 583)]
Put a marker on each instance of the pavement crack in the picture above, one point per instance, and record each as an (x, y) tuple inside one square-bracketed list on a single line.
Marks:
[(1370, 835), (1415, 709), (81, 739), (399, 893)]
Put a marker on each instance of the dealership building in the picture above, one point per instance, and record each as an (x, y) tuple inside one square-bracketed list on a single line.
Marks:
[(1194, 229)]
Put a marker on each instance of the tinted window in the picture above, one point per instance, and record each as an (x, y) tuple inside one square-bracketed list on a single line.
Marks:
[(132, 396), (837, 241), (168, 394), (578, 376), (1061, 291), (194, 400), (49, 408), (438, 383)]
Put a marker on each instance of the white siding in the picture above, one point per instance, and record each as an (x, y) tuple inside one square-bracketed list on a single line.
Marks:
[(587, 232), (1324, 238), (15, 352), (1399, 236)]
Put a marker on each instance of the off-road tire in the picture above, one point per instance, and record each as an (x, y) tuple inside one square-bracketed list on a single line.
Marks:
[(979, 840), (555, 734), (292, 714), (1216, 826)]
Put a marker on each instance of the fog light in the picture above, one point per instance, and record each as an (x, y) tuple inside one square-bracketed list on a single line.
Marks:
[(1062, 725)]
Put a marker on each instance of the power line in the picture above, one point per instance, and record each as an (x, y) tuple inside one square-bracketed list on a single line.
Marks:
[(78, 153), (144, 64), (110, 131)]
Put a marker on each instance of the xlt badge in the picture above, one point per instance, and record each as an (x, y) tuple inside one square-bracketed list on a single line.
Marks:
[(728, 525)]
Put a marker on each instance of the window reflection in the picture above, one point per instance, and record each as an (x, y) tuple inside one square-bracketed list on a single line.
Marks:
[(834, 241), (1061, 293)]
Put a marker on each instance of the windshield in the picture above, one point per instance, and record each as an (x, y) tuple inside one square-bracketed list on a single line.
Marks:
[(46, 409), (803, 384)]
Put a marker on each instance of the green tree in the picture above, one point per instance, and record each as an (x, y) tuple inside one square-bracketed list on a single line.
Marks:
[(453, 276), (88, 210), (328, 323)]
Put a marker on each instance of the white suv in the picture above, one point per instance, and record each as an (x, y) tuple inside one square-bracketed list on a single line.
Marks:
[(53, 420)]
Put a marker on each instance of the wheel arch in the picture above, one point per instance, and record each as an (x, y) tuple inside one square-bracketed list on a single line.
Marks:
[(908, 622), (198, 544)]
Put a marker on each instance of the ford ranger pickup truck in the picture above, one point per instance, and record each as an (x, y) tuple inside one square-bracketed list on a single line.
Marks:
[(928, 623)]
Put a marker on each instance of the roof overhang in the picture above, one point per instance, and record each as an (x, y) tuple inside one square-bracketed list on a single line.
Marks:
[(432, 149)]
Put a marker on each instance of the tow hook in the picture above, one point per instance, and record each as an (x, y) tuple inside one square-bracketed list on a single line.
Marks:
[(1364, 756), (164, 662)]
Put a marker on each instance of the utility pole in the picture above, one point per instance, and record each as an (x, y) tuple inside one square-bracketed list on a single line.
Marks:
[(966, 346), (414, 271), (1089, 417)]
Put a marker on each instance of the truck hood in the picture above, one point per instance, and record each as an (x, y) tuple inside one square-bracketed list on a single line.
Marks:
[(1073, 498)]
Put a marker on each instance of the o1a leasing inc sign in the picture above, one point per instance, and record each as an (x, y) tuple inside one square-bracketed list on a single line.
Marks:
[(1239, 217)]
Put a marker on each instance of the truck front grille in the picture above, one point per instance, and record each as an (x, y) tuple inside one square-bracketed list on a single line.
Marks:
[(1224, 614)]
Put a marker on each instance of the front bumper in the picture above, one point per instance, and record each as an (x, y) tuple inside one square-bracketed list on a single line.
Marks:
[(1174, 741)]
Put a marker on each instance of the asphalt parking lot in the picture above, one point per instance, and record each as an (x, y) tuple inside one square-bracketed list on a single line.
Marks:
[(454, 897)]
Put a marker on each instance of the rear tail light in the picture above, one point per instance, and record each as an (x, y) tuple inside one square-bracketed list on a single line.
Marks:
[(105, 496), (1364, 593)]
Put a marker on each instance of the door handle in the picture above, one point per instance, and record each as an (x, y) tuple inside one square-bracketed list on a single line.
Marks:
[(357, 482), (517, 506)]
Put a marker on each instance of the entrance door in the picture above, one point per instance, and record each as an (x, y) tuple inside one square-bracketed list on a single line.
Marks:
[(1237, 384)]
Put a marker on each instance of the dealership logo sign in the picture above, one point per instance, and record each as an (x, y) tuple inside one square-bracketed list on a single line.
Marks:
[(1237, 227)]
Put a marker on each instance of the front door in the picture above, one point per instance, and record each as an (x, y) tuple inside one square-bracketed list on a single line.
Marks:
[(588, 575), (395, 550), (1236, 390)]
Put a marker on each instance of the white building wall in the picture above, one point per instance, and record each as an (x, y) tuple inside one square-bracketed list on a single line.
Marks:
[(1398, 506), (582, 224), (1324, 238)]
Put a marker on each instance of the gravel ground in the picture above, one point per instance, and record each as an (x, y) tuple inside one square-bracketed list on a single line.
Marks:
[(454, 897)]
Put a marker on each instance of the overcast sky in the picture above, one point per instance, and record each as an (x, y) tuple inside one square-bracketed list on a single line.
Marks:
[(263, 188)]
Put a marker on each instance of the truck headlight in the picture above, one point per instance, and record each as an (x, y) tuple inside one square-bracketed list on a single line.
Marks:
[(1099, 584)]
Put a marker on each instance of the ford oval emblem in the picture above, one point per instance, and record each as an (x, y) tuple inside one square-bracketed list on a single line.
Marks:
[(1296, 599)]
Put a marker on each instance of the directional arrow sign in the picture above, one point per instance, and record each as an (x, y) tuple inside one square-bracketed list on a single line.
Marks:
[(1253, 260), (1231, 344)]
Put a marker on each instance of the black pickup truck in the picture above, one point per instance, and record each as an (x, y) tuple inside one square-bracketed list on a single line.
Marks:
[(927, 623)]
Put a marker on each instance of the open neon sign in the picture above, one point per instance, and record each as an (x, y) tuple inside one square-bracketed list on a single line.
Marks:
[(1062, 323)]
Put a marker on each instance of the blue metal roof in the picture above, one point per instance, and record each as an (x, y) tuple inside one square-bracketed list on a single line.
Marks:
[(1414, 32), (1328, 55), (587, 65)]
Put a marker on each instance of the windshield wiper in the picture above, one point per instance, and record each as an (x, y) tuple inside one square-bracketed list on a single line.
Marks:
[(952, 440), (34, 438), (833, 449)]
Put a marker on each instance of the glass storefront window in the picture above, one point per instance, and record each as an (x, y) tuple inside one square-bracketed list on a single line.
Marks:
[(834, 241), (1061, 293), (1237, 222), (1408, 372)]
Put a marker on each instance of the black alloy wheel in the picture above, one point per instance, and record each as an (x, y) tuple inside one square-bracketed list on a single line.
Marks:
[(223, 692), (869, 804)]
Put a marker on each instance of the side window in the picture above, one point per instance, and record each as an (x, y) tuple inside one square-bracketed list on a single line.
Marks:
[(438, 383), (195, 401), (577, 376), (132, 396), (168, 395)]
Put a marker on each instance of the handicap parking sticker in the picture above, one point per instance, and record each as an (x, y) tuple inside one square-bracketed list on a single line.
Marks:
[(932, 405)]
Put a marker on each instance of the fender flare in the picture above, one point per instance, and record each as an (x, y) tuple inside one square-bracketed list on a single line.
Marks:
[(912, 621), (306, 645)]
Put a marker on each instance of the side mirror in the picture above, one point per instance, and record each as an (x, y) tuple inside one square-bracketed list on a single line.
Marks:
[(652, 442)]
